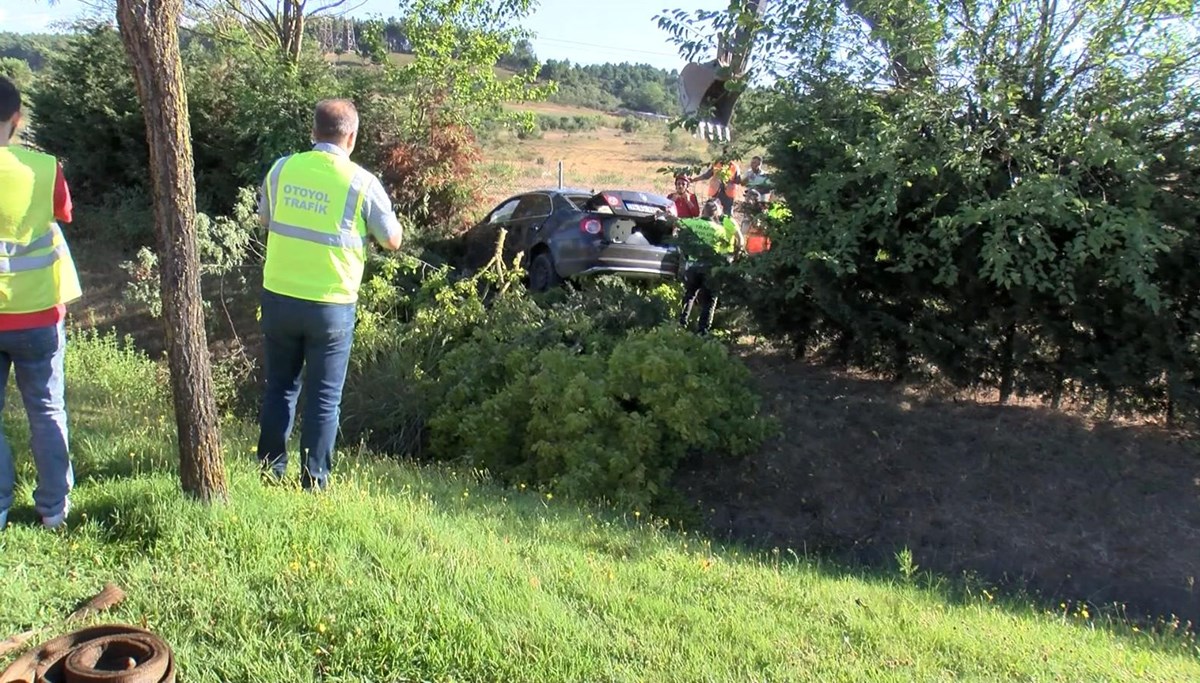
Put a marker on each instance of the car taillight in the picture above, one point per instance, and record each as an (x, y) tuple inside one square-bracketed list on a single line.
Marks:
[(591, 226), (613, 200)]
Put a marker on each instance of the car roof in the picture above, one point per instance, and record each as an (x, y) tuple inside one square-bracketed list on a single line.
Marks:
[(563, 190)]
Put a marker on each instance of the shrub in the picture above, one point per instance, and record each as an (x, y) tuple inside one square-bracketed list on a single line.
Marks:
[(586, 394), (123, 216), (231, 251), (248, 107), (431, 176), (632, 124), (89, 116), (17, 71), (611, 419)]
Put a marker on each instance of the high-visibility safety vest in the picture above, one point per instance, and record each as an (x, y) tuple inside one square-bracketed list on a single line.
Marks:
[(36, 269), (707, 237), (317, 241)]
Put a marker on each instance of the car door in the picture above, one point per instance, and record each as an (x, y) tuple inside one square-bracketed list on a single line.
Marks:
[(528, 218), (481, 242)]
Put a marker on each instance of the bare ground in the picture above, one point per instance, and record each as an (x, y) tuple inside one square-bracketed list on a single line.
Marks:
[(1021, 497)]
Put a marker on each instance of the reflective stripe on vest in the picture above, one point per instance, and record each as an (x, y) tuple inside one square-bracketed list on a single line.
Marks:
[(323, 251), (36, 268)]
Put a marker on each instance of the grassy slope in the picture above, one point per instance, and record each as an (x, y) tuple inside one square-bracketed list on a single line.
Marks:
[(408, 573)]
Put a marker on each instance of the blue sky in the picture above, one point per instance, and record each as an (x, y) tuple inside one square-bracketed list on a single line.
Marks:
[(584, 31)]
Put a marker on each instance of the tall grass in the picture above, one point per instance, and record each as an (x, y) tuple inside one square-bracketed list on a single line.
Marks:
[(408, 573)]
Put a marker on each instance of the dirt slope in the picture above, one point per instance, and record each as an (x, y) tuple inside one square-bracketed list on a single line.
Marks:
[(1021, 496)]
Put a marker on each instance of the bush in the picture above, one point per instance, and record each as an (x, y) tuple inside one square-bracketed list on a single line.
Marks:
[(568, 124), (431, 177), (122, 216), (632, 124), (17, 71), (1030, 231), (231, 250), (89, 116), (584, 394), (247, 109)]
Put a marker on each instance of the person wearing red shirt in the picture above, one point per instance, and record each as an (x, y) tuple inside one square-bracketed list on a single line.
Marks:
[(686, 203), (37, 280)]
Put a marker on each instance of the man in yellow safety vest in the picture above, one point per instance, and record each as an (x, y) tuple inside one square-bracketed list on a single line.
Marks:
[(320, 208), (705, 243), (37, 280)]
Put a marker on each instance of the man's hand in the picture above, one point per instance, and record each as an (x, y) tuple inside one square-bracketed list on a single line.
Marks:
[(393, 242)]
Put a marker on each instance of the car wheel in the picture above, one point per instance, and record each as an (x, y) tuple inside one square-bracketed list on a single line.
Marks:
[(542, 275)]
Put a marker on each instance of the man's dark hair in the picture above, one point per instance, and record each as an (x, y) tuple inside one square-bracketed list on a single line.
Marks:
[(334, 120), (10, 99)]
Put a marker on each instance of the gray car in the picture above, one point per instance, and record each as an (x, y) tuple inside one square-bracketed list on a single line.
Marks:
[(567, 233)]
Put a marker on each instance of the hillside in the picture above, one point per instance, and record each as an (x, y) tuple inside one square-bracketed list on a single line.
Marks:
[(606, 157), (408, 573)]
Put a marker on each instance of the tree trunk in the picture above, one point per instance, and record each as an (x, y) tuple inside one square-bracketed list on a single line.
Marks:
[(148, 29), (1008, 362)]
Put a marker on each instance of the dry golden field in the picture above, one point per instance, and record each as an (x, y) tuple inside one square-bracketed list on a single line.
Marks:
[(605, 158)]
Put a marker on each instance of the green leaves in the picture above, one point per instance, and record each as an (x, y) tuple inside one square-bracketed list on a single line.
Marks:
[(1014, 204)]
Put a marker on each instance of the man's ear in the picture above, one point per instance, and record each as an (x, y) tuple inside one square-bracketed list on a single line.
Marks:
[(352, 141), (16, 125)]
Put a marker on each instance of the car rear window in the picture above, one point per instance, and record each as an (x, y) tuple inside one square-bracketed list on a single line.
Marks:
[(579, 201)]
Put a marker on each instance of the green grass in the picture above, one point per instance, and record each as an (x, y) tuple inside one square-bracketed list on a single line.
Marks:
[(409, 573)]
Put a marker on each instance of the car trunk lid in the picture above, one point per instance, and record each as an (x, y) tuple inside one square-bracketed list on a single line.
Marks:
[(633, 217)]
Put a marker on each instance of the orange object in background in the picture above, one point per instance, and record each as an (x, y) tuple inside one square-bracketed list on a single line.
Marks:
[(757, 242)]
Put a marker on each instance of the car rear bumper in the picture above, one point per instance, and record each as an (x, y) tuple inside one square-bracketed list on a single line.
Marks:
[(626, 260)]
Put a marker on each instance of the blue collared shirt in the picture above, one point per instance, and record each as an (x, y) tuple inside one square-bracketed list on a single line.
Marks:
[(376, 207)]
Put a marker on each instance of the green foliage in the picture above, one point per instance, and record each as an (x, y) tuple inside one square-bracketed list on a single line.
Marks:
[(35, 49), (608, 87), (231, 252), (569, 124), (420, 119), (248, 108), (123, 215), (17, 71), (89, 116), (583, 394), (632, 124), (1002, 196)]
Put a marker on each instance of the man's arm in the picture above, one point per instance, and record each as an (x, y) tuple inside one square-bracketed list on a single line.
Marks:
[(381, 219), (264, 208), (62, 197)]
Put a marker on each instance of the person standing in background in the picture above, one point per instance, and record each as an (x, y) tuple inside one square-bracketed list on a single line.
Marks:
[(686, 203), (724, 178), (37, 280)]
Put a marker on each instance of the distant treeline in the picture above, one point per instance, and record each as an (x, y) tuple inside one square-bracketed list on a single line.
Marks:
[(606, 87)]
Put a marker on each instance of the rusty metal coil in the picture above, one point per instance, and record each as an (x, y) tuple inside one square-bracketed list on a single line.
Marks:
[(111, 653)]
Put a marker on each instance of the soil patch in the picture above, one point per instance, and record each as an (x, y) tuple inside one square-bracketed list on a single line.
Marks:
[(1020, 496)]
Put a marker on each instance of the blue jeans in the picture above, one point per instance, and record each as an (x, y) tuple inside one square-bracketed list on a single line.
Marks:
[(316, 337), (37, 355)]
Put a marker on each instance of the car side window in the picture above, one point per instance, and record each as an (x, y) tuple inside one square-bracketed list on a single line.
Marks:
[(533, 206), (504, 212)]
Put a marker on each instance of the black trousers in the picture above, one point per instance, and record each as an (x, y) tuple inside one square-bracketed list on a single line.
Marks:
[(695, 289)]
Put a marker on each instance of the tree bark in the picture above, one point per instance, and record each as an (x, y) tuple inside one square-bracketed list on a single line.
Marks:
[(150, 34)]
